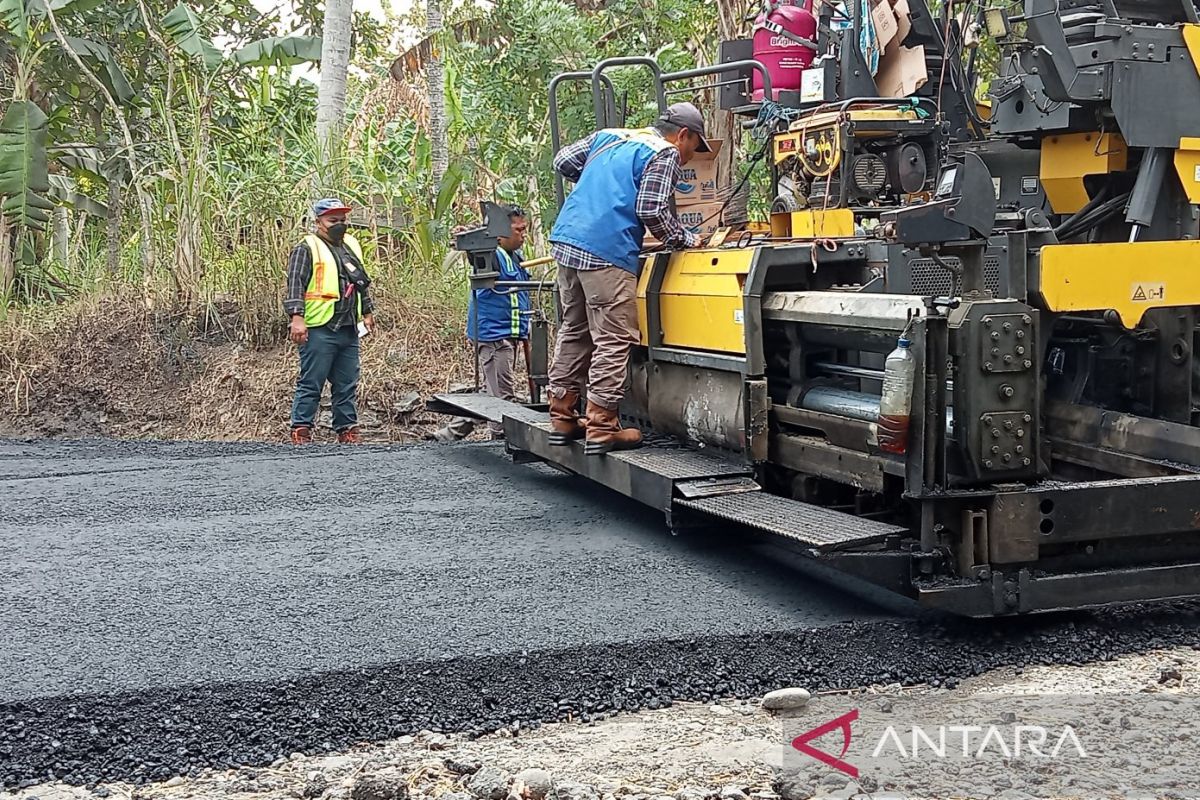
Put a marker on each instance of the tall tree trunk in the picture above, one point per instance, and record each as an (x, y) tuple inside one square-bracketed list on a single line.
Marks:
[(112, 226), (60, 236), (8, 264), (335, 63), (77, 240), (436, 86)]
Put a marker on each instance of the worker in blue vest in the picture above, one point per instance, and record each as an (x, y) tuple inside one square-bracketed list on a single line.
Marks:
[(624, 183), (498, 323)]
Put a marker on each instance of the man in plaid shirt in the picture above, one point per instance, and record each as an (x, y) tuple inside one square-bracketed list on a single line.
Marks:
[(624, 183)]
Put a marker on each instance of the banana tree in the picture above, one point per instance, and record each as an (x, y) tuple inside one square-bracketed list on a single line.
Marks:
[(185, 111), (32, 51), (24, 172)]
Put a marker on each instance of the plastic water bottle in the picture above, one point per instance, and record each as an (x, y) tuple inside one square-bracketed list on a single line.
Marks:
[(896, 403)]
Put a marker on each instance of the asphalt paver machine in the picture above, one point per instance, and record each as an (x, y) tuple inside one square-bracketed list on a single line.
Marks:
[(1033, 442)]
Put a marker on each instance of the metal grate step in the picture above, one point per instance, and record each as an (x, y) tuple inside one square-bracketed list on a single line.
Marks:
[(677, 463), (812, 526), (483, 406)]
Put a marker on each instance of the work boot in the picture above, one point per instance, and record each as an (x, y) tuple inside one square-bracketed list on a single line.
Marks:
[(604, 432), (350, 436), (302, 434), (564, 419)]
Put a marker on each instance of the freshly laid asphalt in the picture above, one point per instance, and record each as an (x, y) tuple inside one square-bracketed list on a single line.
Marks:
[(128, 566), (168, 607)]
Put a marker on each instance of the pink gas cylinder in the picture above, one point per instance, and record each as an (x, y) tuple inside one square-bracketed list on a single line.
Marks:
[(784, 59)]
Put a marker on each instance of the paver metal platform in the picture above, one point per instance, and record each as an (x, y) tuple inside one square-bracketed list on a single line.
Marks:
[(821, 529), (482, 406), (672, 477)]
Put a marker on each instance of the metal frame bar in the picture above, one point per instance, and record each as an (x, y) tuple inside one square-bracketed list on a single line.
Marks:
[(1022, 592), (1110, 509), (658, 273), (1127, 434), (597, 75), (705, 87), (752, 294), (555, 131), (717, 69), (814, 456), (698, 358)]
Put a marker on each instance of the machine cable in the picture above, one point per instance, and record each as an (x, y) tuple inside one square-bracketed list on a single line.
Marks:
[(770, 114), (1075, 227), (958, 78)]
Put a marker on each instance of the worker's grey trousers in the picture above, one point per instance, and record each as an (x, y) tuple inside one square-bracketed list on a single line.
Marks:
[(496, 362), (599, 328)]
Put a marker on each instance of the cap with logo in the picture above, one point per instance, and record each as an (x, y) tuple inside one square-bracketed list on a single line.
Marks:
[(328, 205), (686, 115)]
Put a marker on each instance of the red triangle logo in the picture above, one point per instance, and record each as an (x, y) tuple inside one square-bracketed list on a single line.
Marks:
[(841, 723)]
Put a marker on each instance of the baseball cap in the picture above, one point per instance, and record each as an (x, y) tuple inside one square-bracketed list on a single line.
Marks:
[(327, 205), (686, 115)]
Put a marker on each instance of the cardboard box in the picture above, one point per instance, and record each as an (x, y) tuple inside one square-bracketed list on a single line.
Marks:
[(902, 71), (903, 21), (698, 178), (700, 218), (886, 25)]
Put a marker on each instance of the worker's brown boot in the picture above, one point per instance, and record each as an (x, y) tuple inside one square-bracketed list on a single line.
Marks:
[(604, 432), (564, 419), (301, 434), (350, 436)]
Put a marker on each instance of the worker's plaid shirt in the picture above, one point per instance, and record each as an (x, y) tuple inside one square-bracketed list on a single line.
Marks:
[(653, 206)]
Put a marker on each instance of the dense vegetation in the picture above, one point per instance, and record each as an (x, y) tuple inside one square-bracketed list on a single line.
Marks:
[(166, 150)]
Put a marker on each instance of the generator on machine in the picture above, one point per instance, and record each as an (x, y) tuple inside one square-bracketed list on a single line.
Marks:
[(960, 365)]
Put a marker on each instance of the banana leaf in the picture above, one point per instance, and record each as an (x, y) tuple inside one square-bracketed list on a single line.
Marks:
[(62, 7), (280, 51), (114, 77), (183, 26), (24, 171), (13, 19), (64, 190)]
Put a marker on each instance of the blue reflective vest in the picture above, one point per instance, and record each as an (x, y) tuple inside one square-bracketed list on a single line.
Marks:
[(599, 215), (501, 312)]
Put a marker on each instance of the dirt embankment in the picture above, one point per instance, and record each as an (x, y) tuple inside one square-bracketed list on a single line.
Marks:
[(115, 369)]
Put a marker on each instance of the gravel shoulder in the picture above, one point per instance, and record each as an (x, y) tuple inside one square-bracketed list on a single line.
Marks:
[(735, 749)]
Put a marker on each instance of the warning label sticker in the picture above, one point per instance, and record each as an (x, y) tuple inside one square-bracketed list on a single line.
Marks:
[(738, 316), (1148, 292)]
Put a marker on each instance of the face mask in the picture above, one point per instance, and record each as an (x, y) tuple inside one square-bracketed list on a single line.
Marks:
[(336, 232)]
